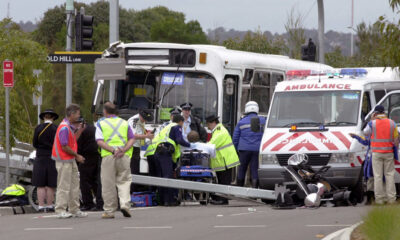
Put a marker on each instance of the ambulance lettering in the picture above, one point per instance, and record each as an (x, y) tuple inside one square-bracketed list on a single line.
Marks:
[(339, 86)]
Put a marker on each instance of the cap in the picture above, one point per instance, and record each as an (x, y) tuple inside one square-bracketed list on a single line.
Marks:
[(175, 110), (187, 105), (211, 118), (147, 115), (379, 109), (48, 111)]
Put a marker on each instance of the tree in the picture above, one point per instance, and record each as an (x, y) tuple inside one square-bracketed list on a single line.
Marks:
[(27, 55), (256, 42), (295, 30)]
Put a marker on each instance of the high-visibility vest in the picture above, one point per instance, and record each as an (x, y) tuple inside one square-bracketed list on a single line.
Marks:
[(382, 135), (162, 137), (115, 133), (58, 153), (226, 156), (14, 190)]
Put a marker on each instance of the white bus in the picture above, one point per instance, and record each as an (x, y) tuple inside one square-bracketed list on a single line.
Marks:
[(214, 79)]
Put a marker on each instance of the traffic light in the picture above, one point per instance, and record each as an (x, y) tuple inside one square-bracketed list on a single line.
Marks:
[(308, 51), (83, 32)]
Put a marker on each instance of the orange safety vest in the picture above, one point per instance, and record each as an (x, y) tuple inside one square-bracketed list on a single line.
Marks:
[(58, 154), (382, 135)]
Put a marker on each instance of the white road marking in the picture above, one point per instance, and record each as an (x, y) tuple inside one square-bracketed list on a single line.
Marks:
[(45, 229), (329, 225), (242, 226), (220, 215), (154, 227), (239, 214)]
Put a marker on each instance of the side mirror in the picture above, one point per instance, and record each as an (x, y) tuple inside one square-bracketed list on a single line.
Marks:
[(255, 125)]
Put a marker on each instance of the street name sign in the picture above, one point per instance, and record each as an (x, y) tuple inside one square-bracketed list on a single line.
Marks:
[(73, 57)]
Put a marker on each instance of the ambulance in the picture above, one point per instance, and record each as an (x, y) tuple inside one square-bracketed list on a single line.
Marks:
[(315, 115)]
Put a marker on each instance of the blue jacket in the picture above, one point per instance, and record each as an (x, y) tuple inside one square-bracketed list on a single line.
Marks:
[(243, 138)]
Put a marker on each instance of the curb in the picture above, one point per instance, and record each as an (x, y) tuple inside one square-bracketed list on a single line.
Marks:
[(342, 234), (8, 211)]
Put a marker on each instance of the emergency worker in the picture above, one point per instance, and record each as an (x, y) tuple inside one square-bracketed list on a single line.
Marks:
[(137, 123), (248, 143), (226, 157), (44, 174), (166, 152), (65, 153), (384, 141), (115, 137), (192, 123)]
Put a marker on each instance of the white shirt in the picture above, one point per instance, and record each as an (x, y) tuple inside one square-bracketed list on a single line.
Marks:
[(205, 148), (138, 128), (186, 128)]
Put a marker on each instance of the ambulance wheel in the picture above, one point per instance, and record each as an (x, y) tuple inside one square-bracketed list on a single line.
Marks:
[(357, 192)]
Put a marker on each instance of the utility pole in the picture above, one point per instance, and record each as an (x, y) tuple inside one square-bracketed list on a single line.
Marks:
[(69, 7), (352, 26), (36, 72), (114, 37), (321, 50)]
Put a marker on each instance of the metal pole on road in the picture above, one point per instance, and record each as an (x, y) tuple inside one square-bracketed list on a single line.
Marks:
[(7, 136), (69, 11), (113, 37), (321, 24)]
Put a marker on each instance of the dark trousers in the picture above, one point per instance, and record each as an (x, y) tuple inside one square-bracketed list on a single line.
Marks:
[(248, 158), (165, 169), (224, 178), (90, 182), (135, 169)]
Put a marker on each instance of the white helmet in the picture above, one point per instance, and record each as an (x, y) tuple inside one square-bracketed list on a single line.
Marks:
[(251, 107)]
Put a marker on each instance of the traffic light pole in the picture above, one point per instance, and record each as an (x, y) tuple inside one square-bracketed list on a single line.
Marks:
[(114, 36), (68, 94), (321, 23)]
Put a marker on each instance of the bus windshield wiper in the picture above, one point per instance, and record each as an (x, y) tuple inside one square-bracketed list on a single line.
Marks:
[(302, 123), (339, 123)]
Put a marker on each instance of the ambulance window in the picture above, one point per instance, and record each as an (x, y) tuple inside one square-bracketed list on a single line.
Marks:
[(366, 105), (379, 94), (394, 107)]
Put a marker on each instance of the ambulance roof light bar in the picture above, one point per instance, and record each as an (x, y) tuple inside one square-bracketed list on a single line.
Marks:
[(302, 74), (355, 72)]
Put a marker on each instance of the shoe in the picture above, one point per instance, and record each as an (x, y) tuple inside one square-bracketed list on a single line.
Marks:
[(64, 215), (219, 202), (87, 208), (125, 212), (107, 215), (98, 209), (50, 209), (80, 214)]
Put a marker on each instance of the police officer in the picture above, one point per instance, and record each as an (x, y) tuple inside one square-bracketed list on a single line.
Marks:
[(166, 151), (44, 174), (384, 139), (192, 123), (115, 137), (248, 143), (137, 123), (65, 153), (226, 157)]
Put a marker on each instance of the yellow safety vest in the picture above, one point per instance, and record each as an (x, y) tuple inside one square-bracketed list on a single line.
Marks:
[(226, 156), (115, 133), (161, 137), (14, 190)]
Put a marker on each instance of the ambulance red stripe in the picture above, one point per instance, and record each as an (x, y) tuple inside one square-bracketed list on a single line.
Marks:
[(329, 145), (267, 143), (308, 145), (283, 143), (343, 139)]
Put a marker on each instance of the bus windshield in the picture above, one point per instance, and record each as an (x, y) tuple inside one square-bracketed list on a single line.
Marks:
[(314, 108), (197, 88)]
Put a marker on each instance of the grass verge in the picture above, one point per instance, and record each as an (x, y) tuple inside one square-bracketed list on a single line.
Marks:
[(382, 223)]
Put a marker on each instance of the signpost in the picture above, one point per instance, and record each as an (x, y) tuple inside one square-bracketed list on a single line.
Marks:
[(37, 100), (8, 81), (73, 57)]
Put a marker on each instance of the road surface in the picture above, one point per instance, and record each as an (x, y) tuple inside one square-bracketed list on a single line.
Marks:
[(238, 221)]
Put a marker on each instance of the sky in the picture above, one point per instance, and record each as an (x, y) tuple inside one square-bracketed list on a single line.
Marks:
[(266, 15)]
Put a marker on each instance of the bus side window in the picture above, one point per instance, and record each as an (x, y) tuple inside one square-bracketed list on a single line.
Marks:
[(260, 90), (276, 77), (394, 108), (366, 105)]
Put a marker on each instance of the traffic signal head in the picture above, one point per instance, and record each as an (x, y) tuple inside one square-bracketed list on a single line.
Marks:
[(83, 32)]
